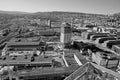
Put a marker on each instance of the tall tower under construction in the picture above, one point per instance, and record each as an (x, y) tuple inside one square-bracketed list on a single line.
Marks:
[(65, 36)]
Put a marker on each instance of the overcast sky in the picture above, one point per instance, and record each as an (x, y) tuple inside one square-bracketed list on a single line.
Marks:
[(87, 6)]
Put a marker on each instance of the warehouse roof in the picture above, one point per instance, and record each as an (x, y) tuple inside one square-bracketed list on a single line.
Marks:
[(25, 43), (20, 59)]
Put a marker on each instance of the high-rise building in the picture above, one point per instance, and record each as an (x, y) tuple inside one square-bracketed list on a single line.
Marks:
[(65, 37)]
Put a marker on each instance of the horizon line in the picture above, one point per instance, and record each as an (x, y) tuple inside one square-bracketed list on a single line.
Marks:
[(58, 11)]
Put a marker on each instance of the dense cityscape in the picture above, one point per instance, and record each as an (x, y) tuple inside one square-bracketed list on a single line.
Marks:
[(59, 46)]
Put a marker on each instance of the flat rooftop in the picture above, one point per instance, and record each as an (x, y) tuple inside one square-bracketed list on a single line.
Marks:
[(69, 57), (45, 72), (30, 39), (22, 43), (21, 59)]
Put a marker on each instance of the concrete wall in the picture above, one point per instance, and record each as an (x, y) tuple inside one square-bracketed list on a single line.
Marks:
[(77, 60)]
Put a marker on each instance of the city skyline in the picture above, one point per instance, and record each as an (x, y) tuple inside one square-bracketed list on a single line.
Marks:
[(84, 6)]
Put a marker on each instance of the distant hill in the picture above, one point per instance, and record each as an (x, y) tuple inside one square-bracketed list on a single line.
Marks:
[(117, 15), (13, 12), (65, 15), (53, 13), (62, 13)]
